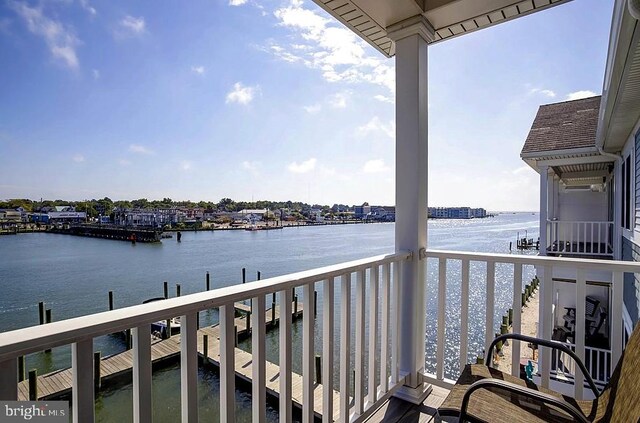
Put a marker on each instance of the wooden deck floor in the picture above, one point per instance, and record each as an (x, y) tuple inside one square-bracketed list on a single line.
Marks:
[(397, 410)]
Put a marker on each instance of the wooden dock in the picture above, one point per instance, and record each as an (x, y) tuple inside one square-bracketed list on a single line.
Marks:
[(57, 383)]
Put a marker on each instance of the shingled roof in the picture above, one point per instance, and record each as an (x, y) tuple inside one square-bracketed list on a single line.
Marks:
[(562, 126)]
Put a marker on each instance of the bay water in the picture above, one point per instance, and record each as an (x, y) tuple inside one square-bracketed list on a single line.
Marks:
[(73, 275)]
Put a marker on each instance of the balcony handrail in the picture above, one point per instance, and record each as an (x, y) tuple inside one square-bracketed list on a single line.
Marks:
[(580, 221), (37, 338), (570, 262)]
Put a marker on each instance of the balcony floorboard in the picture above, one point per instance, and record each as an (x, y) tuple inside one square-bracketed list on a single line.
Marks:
[(397, 410)]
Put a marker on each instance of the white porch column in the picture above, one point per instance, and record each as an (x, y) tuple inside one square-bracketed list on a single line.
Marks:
[(544, 208), (411, 37), (617, 211)]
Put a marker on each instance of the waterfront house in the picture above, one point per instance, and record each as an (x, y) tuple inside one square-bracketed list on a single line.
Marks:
[(361, 212), (392, 288)]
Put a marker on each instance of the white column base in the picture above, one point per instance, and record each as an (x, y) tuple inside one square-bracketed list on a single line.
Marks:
[(414, 395)]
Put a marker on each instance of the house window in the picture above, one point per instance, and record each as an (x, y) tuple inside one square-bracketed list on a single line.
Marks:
[(626, 193), (637, 182)]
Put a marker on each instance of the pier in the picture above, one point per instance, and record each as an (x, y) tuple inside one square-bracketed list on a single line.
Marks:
[(59, 382), (111, 232)]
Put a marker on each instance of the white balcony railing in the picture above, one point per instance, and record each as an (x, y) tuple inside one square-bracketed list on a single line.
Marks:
[(597, 361), (376, 275), (579, 238), (508, 271), (376, 316)]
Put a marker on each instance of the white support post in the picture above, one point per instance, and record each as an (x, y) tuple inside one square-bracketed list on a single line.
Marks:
[(490, 307), (545, 274), (617, 210), (189, 367), (142, 397), (82, 396), (544, 208), (284, 328), (579, 327), (227, 364), (9, 380), (616, 318), (411, 37), (516, 326), (464, 315), (308, 356), (327, 350), (384, 343), (258, 360), (442, 299)]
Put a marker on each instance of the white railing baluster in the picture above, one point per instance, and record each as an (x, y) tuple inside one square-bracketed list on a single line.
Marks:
[(579, 327), (142, 397), (345, 345), (384, 337), (599, 240), (258, 360), (189, 367), (395, 321), (464, 315), (373, 333), (490, 304), (442, 299), (359, 382), (616, 318), (591, 240), (308, 356), (546, 320), (516, 325), (9, 380), (327, 350), (285, 409), (227, 364), (82, 400)]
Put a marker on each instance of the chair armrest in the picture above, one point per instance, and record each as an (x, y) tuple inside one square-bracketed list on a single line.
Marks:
[(520, 390), (556, 345)]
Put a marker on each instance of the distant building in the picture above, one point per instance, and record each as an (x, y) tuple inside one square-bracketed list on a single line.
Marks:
[(59, 214), (10, 216), (361, 212), (456, 213)]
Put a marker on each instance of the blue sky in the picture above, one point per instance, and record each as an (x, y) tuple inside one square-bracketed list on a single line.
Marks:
[(270, 100)]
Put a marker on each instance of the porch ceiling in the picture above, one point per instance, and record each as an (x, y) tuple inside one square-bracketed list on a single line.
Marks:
[(583, 173), (620, 108), (450, 18)]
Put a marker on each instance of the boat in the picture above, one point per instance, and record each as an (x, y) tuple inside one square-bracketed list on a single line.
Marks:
[(159, 328)]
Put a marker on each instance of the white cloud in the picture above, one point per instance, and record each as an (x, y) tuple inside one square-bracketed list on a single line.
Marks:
[(198, 69), (375, 166), (237, 2), (241, 94), (252, 167), (131, 26), (87, 7), (124, 162), (78, 158), (313, 109), (580, 94), (329, 47), (375, 126), (95, 73), (139, 149), (339, 100), (547, 93), (522, 169), (185, 165), (384, 99), (303, 167), (60, 40)]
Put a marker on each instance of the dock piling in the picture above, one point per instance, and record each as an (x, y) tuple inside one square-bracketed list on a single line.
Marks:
[(177, 290), (33, 385), (128, 339), (110, 300), (48, 320), (315, 303), (295, 305), (97, 380), (208, 285), (41, 311), (168, 330), (205, 347), (21, 368), (235, 335), (248, 322), (510, 316), (259, 275), (244, 275), (318, 369), (273, 309), (166, 290)]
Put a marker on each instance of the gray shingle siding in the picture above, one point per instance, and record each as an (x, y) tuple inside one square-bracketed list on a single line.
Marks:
[(631, 252)]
